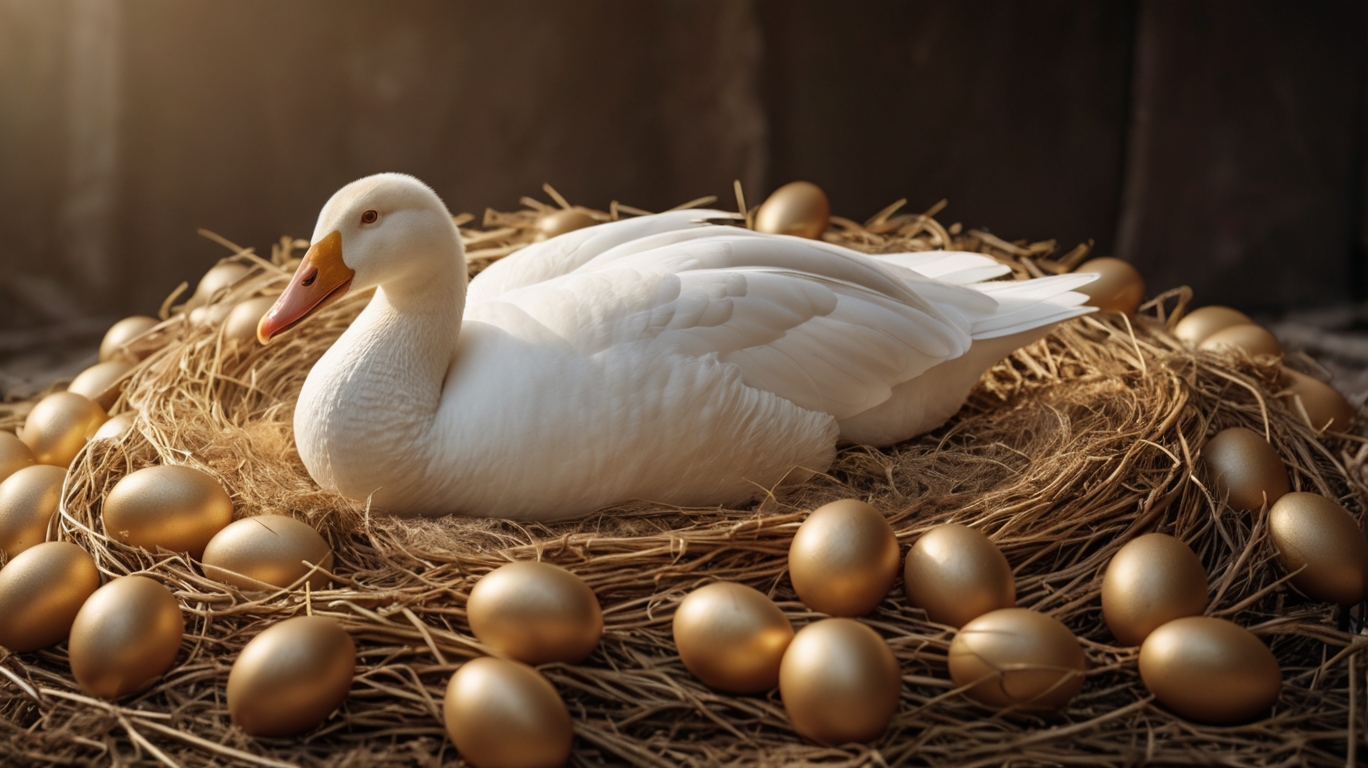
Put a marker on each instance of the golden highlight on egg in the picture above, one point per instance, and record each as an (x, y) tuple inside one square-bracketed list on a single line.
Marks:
[(290, 677), (240, 326), (1210, 670), (1319, 538), (1198, 324), (59, 425), (14, 455), (1245, 468), (562, 221), (535, 612), (1151, 581), (1320, 405), (268, 552), (1018, 658), (115, 428), (504, 713), (956, 574), (28, 500), (798, 208), (173, 507), (732, 637), (840, 682), (122, 332), (125, 636), (844, 558), (99, 382), (1253, 339), (41, 590), (1118, 288), (217, 278)]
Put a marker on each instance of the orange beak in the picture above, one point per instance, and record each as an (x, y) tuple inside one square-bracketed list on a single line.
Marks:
[(321, 279)]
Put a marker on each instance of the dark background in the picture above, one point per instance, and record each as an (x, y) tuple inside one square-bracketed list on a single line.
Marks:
[(1216, 144)]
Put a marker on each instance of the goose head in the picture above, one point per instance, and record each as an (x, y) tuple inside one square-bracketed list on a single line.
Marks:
[(388, 230)]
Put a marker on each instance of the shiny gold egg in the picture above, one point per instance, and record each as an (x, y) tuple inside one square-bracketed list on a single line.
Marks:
[(1322, 405), (172, 507), (1321, 539), (1245, 468), (956, 574), (1118, 288), (100, 382), (798, 208), (535, 612), (28, 500), (216, 279), (14, 455), (1209, 670), (115, 428), (562, 221), (125, 636), (210, 314), (1019, 658), (504, 713), (839, 682), (59, 425), (290, 677), (1152, 580), (1254, 339), (240, 327), (122, 332), (844, 558), (41, 591), (1198, 324), (732, 637), (268, 552)]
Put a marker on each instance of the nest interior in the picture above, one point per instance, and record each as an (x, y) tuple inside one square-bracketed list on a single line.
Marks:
[(1064, 452)]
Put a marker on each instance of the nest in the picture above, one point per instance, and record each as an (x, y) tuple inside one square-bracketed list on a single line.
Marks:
[(1065, 451)]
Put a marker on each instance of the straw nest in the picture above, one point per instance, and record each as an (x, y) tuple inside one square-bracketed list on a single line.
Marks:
[(1065, 451)]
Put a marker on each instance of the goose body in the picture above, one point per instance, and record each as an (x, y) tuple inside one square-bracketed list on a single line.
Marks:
[(658, 358)]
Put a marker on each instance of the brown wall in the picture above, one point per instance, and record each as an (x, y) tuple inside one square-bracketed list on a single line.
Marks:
[(1219, 144)]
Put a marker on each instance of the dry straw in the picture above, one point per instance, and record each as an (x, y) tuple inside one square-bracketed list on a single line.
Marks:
[(1064, 452)]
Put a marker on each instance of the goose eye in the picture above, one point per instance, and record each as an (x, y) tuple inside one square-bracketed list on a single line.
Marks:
[(369, 217)]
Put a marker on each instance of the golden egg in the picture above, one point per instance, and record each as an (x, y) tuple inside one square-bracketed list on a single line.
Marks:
[(1253, 339), (28, 500), (125, 636), (40, 592), (956, 574), (172, 507), (535, 612), (59, 425), (1118, 288), (14, 455), (100, 382), (216, 279), (290, 677), (1323, 405), (732, 637), (1015, 657), (1152, 580), (1201, 323), (115, 428), (1245, 467), (797, 208), (266, 552), (839, 682), (1314, 533), (1210, 670), (562, 221), (843, 559), (210, 314), (241, 325), (504, 713), (122, 332)]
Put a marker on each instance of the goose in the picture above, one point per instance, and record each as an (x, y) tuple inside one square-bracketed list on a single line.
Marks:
[(661, 358)]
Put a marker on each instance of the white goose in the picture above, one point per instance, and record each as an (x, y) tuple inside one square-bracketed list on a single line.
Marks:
[(656, 358)]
